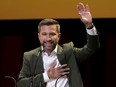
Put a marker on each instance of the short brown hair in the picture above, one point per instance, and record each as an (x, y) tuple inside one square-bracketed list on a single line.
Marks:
[(49, 22)]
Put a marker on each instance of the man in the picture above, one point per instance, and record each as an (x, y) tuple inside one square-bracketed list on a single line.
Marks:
[(51, 65)]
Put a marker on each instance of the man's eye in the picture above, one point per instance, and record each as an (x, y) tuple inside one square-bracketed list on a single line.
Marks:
[(44, 34), (52, 34)]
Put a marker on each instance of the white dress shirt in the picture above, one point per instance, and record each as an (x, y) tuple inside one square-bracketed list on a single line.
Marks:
[(48, 60)]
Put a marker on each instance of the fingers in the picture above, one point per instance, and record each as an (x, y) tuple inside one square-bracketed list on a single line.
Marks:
[(62, 66), (62, 70), (65, 73), (82, 8), (87, 7)]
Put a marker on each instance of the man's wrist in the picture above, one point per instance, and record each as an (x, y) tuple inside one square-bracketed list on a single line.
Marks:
[(89, 25), (45, 76)]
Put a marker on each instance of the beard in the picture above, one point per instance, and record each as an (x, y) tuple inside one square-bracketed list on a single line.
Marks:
[(48, 45)]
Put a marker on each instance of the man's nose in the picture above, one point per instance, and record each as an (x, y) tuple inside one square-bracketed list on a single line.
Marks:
[(48, 37)]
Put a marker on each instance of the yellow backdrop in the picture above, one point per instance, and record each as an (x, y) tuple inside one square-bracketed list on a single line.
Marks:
[(36, 9)]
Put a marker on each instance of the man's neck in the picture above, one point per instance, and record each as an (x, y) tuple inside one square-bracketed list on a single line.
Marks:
[(49, 51)]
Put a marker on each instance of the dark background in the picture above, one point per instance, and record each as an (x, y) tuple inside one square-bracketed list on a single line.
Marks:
[(18, 36)]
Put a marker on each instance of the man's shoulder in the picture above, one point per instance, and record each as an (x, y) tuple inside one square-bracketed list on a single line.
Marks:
[(68, 45), (31, 52)]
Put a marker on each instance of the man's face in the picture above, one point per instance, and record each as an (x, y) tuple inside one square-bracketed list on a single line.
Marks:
[(49, 37)]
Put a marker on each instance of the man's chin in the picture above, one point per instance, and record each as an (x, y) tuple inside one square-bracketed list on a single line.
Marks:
[(50, 48)]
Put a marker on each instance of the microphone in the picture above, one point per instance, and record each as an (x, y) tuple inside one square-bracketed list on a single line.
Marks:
[(57, 81), (31, 84), (10, 77)]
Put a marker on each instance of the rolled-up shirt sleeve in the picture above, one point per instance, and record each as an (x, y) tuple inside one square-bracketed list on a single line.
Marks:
[(92, 31)]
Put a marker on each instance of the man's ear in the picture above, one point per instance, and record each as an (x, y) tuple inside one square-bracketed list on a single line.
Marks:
[(59, 35), (38, 35)]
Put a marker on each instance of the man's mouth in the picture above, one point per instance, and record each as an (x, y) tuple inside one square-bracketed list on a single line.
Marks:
[(48, 43)]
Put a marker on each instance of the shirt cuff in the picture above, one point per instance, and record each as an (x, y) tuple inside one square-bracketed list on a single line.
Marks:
[(92, 31), (45, 76)]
